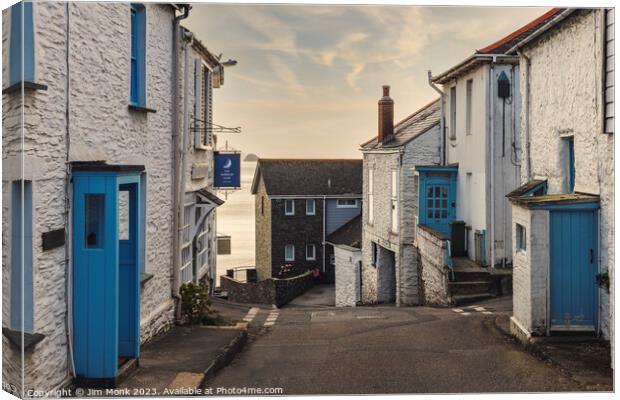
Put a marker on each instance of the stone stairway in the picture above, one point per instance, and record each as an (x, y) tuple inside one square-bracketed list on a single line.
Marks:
[(473, 283)]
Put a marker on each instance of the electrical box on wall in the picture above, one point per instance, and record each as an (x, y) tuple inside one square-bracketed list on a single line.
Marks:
[(503, 86)]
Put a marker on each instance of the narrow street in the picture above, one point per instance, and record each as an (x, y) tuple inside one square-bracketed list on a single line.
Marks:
[(325, 350)]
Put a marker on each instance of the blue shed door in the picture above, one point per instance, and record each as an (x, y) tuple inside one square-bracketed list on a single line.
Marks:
[(573, 287), (95, 276)]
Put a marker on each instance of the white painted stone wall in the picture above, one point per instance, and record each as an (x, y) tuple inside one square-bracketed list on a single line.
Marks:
[(530, 273), (433, 253), (423, 150), (101, 127), (348, 261), (566, 99)]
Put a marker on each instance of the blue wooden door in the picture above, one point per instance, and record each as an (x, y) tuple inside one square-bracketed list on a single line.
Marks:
[(129, 274), (95, 275), (439, 207), (573, 255)]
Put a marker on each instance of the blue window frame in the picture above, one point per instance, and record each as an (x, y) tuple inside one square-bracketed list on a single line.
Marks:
[(21, 45), (21, 257), (437, 197), (137, 93)]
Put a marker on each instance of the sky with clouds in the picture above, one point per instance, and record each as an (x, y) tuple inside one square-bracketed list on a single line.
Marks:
[(309, 77)]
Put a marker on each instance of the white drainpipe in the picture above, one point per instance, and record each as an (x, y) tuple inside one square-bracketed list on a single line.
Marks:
[(492, 158), (528, 162), (324, 230), (442, 133)]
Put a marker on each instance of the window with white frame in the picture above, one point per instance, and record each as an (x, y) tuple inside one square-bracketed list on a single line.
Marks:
[(289, 207), (371, 194), (202, 244), (186, 247), (310, 252), (289, 252), (310, 207), (346, 203), (394, 200)]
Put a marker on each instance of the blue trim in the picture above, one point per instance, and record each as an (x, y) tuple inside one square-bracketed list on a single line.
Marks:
[(137, 92), (593, 205), (437, 168), (443, 203), (532, 192), (21, 234), (18, 72)]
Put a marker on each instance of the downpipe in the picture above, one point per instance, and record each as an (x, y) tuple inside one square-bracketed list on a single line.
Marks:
[(176, 156), (443, 160), (528, 161), (492, 159)]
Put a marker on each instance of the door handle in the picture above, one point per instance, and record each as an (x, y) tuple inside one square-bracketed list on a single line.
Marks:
[(591, 256)]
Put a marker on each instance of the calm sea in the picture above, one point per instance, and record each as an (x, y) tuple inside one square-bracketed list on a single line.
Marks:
[(236, 219)]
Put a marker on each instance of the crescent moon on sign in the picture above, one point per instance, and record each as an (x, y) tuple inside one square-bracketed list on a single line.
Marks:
[(228, 163)]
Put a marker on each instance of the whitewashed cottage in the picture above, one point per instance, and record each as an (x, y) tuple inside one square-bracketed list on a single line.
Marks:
[(464, 216), (91, 189), (389, 257), (563, 218)]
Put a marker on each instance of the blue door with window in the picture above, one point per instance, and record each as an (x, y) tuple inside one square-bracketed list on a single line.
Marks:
[(437, 197), (106, 268), (573, 269)]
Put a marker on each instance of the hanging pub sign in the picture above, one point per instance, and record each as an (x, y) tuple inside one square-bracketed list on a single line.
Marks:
[(227, 170)]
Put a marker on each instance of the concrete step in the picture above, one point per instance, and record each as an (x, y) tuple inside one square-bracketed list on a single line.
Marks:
[(462, 299), (470, 276), (474, 287)]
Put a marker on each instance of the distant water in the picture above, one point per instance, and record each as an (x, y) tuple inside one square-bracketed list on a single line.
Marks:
[(235, 218)]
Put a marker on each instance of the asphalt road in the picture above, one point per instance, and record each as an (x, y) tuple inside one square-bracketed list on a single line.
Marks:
[(374, 350)]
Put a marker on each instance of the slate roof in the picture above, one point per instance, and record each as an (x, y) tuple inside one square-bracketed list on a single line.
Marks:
[(527, 187), (409, 128), (211, 197), (309, 177), (509, 41), (555, 199), (349, 234)]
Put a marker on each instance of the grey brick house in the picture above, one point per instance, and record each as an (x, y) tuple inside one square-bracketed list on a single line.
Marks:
[(389, 255), (299, 203)]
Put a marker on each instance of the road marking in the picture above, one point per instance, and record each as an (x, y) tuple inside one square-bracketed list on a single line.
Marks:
[(457, 310), (251, 314), (487, 312), (465, 313), (271, 318), (480, 309)]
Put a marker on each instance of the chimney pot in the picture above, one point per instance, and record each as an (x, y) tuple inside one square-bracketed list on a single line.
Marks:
[(386, 116)]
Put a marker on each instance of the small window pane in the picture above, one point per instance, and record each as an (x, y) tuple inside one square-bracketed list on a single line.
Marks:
[(94, 220), (123, 215), (444, 214), (444, 203), (430, 203), (429, 214), (437, 191), (437, 203), (429, 192), (436, 214)]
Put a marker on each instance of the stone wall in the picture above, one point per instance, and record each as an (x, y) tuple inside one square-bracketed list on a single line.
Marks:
[(101, 128), (530, 271), (565, 98), (269, 291), (423, 150), (434, 272), (348, 262), (262, 212), (299, 230)]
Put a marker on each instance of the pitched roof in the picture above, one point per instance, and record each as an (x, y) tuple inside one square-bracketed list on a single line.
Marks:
[(528, 188), (309, 177), (349, 234), (506, 43), (409, 128), (500, 50)]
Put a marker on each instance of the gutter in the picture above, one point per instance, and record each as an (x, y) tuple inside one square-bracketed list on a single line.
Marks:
[(469, 62), (442, 129), (177, 199)]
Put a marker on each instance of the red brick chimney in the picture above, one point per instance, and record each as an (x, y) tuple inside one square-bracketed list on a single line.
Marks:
[(386, 116)]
